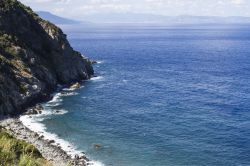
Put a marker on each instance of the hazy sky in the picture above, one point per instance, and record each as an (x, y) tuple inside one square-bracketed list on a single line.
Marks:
[(78, 8)]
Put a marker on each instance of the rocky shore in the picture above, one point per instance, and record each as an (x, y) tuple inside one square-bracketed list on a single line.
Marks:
[(47, 148), (35, 58)]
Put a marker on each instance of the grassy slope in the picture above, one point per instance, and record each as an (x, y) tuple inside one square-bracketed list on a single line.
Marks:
[(16, 152)]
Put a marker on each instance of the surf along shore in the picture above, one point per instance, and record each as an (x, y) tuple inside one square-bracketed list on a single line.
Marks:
[(35, 58), (52, 148)]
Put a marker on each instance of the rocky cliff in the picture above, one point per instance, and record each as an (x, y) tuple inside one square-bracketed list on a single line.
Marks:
[(35, 56)]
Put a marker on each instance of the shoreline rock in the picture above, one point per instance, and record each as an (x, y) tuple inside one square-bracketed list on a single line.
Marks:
[(47, 148), (75, 86), (38, 109), (93, 62)]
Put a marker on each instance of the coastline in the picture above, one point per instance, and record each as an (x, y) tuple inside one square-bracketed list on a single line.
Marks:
[(54, 149), (36, 59), (49, 150)]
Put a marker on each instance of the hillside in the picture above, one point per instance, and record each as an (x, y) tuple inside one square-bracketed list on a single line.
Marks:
[(55, 19), (35, 57), (18, 152), (137, 18)]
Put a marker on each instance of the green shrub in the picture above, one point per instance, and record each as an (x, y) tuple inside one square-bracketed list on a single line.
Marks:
[(11, 50), (26, 160), (16, 152), (23, 89)]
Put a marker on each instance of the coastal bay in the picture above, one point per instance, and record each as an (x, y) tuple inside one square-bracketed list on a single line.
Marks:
[(158, 94)]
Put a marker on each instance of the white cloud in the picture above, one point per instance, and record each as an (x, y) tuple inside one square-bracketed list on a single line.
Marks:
[(78, 8), (238, 2), (45, 1)]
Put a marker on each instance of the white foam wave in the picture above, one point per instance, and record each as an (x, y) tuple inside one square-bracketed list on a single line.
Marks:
[(52, 104), (33, 124), (51, 112), (60, 112), (69, 94), (56, 98), (95, 163), (97, 78), (67, 89), (71, 89), (100, 62)]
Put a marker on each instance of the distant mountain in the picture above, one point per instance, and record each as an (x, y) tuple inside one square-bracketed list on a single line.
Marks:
[(150, 18), (141, 18), (123, 18), (210, 19), (56, 19)]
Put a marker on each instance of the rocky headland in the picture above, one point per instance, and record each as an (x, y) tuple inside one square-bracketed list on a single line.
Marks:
[(35, 57)]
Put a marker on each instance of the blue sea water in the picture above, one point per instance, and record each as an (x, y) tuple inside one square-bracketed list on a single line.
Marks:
[(164, 96)]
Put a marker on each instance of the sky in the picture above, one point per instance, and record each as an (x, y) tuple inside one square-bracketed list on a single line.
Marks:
[(78, 9)]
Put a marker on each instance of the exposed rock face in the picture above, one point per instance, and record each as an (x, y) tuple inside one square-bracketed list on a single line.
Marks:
[(75, 86), (35, 56)]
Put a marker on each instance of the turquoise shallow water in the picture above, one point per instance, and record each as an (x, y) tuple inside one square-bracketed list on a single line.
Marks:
[(165, 96)]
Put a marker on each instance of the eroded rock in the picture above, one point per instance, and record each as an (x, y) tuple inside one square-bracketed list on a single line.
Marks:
[(75, 86), (35, 56)]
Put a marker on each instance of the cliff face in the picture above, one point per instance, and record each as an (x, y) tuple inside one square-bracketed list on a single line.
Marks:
[(35, 56)]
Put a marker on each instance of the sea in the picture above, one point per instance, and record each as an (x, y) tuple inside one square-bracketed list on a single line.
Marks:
[(162, 95)]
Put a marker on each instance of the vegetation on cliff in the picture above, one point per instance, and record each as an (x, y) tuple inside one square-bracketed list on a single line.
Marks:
[(35, 56), (17, 152)]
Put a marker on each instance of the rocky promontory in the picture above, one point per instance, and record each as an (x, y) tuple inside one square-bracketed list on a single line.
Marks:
[(35, 56)]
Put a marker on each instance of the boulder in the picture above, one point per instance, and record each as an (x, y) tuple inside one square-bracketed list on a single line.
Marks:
[(75, 86), (97, 146), (51, 141)]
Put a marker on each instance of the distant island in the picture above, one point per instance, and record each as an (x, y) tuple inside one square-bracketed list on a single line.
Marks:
[(138, 18), (56, 19), (161, 19)]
